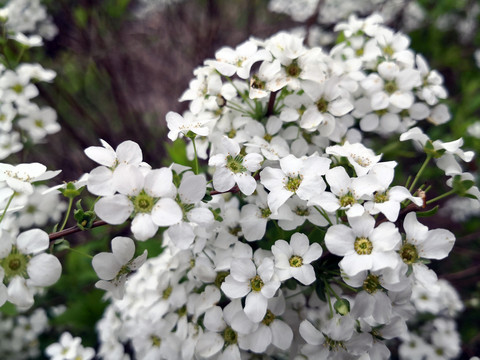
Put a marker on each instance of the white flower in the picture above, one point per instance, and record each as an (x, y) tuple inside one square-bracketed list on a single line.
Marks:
[(345, 192), (114, 268), (101, 179), (360, 157), (258, 284), (239, 61), (220, 336), (293, 260), (254, 216), (69, 348), (145, 194), (28, 41), (271, 330), (26, 265), (20, 177), (387, 200), (328, 102), (296, 176), (178, 124), (363, 246), (233, 168), (421, 243), (40, 122)]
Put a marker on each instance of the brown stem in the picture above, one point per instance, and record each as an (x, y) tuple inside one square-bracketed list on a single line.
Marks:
[(271, 103), (72, 230)]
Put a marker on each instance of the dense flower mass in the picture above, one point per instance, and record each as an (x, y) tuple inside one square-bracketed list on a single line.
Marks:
[(297, 232), (290, 142)]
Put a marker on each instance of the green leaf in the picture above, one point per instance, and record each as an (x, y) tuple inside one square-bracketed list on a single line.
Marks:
[(461, 186), (430, 212)]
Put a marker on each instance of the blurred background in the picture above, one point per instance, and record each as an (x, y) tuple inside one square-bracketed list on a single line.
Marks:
[(123, 64)]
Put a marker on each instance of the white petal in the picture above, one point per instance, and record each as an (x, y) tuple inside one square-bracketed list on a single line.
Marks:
[(106, 265), (304, 274), (255, 306), (100, 181), (282, 334), (243, 269), (114, 209), (19, 294), (44, 270), (223, 179), (340, 239), (310, 334), (129, 152), (158, 182), (209, 344), (32, 241), (128, 180), (438, 244), (234, 289), (355, 263), (101, 155), (260, 339), (143, 227), (123, 248), (192, 189), (313, 253), (166, 212), (246, 183), (299, 243), (181, 234)]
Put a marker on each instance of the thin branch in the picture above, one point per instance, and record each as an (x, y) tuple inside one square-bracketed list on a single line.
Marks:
[(72, 230)]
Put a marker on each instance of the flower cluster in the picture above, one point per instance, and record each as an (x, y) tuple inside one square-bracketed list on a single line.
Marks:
[(19, 336), (21, 119), (295, 232), (305, 242)]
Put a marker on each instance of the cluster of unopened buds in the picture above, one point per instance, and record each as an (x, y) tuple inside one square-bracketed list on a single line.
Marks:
[(300, 240)]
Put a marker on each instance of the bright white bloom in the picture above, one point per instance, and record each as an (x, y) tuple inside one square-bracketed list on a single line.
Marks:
[(69, 347), (26, 265), (362, 245), (101, 179), (360, 157), (40, 122), (113, 268), (293, 260), (387, 200), (254, 217), (257, 282), (36, 71), (147, 195), (296, 176), (432, 88), (27, 41), (239, 61), (346, 192), (220, 336), (178, 124), (20, 177), (233, 168), (328, 102), (422, 243), (271, 330)]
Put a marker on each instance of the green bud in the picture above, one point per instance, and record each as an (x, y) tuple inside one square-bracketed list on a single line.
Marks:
[(70, 191), (342, 306), (84, 219)]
